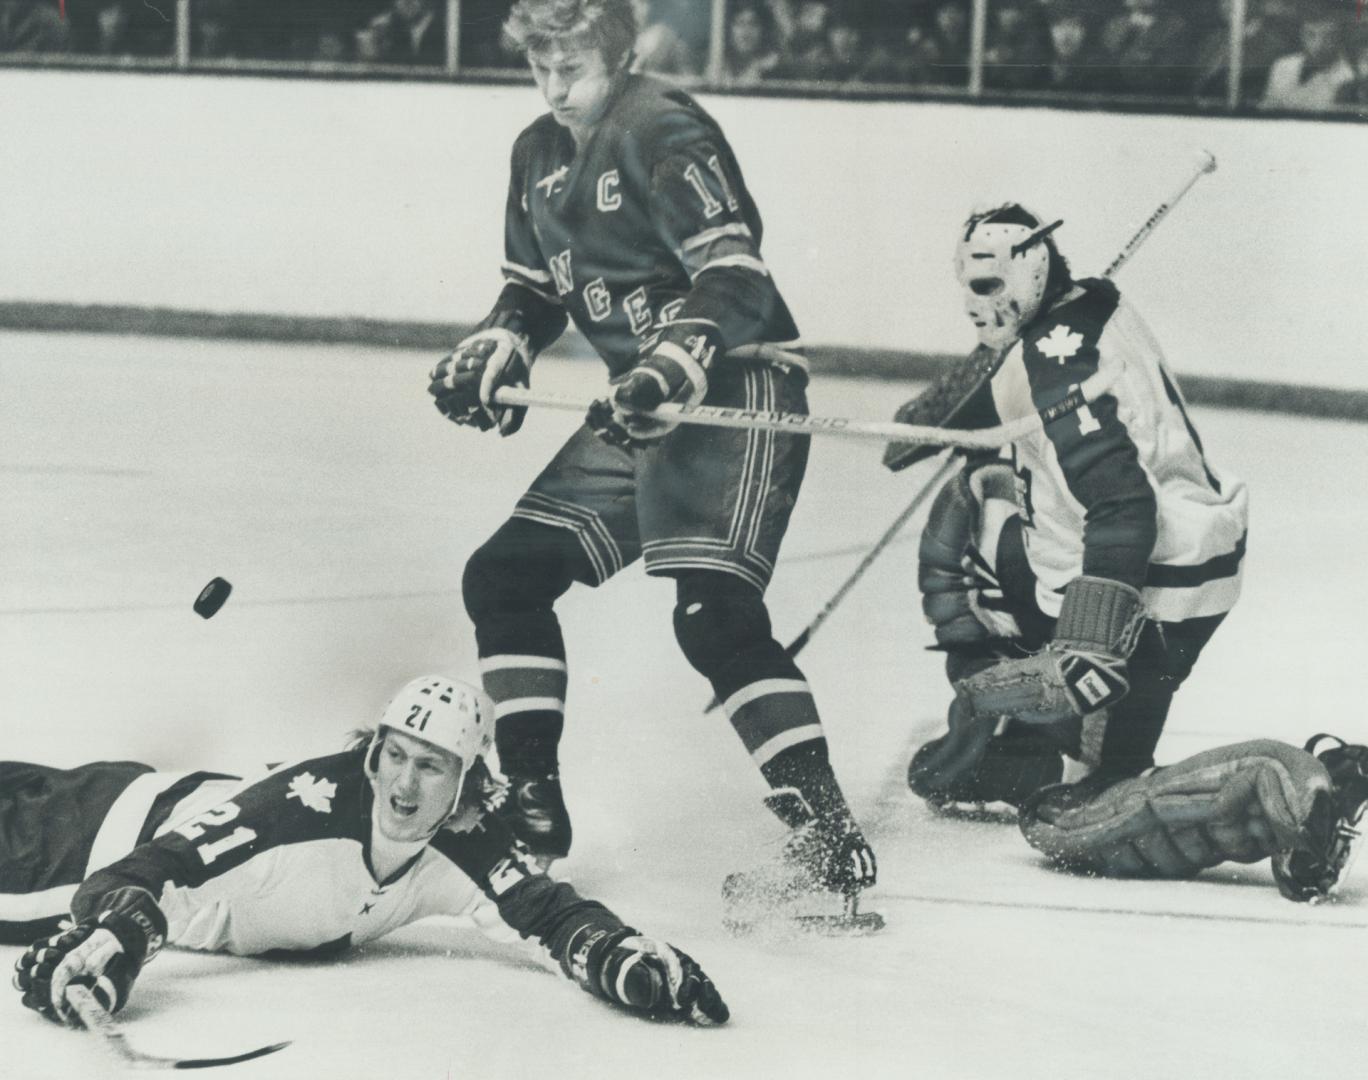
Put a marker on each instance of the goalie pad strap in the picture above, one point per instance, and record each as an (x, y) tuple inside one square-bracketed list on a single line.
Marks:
[(1242, 802)]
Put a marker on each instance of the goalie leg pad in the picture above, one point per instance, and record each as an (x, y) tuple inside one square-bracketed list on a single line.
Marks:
[(1238, 803)]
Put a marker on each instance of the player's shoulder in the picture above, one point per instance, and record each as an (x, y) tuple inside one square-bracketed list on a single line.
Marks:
[(312, 793), (1072, 328), (540, 135), (659, 117)]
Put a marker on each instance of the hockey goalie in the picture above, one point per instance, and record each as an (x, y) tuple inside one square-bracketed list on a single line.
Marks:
[(1074, 580)]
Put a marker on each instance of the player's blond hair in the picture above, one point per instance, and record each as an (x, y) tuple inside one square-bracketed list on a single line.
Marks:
[(607, 25)]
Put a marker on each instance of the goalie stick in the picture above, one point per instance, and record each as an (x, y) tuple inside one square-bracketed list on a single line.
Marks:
[(96, 1020), (1206, 163)]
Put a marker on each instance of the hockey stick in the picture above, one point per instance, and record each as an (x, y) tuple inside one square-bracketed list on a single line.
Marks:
[(887, 431), (1206, 164), (95, 1019), (870, 430)]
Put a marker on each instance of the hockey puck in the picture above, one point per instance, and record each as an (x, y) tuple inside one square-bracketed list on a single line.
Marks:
[(212, 597)]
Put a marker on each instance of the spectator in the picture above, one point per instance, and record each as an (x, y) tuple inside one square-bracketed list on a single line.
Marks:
[(751, 51), (804, 31), (1073, 66), (910, 59), (1018, 50), (1270, 32), (407, 32), (952, 42), (32, 26), (482, 43), (1356, 92), (1144, 49), (659, 49), (1310, 80), (119, 28), (217, 29)]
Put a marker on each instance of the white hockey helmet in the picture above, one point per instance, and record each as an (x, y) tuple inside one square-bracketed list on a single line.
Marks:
[(1003, 262), (450, 714)]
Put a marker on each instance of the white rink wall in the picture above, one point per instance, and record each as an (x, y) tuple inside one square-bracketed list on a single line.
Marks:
[(384, 200)]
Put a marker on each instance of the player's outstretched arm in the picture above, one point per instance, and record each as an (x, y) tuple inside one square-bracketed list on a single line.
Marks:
[(105, 953), (639, 973)]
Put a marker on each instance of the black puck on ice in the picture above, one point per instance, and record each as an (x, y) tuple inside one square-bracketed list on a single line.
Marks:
[(212, 597)]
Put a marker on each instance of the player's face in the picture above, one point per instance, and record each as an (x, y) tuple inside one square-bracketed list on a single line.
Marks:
[(415, 786), (576, 82)]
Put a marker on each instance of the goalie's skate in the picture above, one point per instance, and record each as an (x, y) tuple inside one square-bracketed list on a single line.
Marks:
[(1310, 872), (813, 883), (534, 809)]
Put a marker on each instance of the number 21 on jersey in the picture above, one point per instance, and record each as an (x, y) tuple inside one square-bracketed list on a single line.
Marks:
[(195, 829)]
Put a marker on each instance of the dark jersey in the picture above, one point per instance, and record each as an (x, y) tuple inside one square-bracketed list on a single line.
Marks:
[(283, 864), (650, 222)]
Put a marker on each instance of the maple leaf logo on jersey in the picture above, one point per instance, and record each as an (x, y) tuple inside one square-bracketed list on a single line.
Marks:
[(314, 793), (553, 181), (1061, 344)]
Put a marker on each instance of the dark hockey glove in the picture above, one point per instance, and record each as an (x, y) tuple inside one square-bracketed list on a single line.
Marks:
[(642, 974), (675, 372), (463, 383), (104, 954), (1082, 670), (944, 403)]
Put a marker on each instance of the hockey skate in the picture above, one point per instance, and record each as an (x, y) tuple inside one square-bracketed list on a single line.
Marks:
[(534, 809), (815, 881), (1310, 872)]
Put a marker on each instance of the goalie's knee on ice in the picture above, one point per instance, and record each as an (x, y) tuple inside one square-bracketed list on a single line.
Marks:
[(717, 618)]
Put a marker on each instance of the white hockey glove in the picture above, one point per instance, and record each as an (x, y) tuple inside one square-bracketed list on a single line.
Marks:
[(675, 372), (642, 974), (105, 954), (464, 382)]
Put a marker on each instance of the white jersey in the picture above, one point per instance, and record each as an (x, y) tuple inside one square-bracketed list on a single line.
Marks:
[(284, 864), (1121, 488)]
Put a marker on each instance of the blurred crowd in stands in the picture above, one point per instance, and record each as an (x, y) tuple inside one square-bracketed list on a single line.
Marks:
[(1297, 54)]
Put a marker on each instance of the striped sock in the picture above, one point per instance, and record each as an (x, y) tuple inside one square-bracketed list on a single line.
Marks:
[(778, 724), (529, 710)]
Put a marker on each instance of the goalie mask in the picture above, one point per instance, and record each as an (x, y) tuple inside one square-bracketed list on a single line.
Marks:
[(1003, 261), (449, 714)]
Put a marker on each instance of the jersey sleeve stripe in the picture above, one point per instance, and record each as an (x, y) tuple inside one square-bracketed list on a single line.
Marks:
[(745, 262), (528, 273), (710, 236)]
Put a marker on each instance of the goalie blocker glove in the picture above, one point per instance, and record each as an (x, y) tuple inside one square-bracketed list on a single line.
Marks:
[(105, 954), (675, 372), (463, 383), (1082, 670), (642, 974)]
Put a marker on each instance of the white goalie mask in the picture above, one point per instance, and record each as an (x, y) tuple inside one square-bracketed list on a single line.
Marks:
[(1003, 264), (446, 713)]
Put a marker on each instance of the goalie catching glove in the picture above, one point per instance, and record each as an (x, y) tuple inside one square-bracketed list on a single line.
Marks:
[(675, 373), (1082, 670), (105, 954), (463, 383), (642, 974)]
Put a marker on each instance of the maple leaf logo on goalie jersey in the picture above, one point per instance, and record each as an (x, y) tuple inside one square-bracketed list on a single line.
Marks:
[(1119, 488)]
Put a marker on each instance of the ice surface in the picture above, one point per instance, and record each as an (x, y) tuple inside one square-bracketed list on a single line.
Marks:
[(322, 484)]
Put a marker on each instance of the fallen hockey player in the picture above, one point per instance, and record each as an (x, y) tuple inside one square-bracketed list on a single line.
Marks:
[(315, 857)]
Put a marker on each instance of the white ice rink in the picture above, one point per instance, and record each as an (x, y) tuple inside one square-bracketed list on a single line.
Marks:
[(322, 483)]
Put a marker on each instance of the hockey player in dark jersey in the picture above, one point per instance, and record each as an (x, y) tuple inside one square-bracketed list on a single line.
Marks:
[(315, 857), (1073, 586), (627, 214)]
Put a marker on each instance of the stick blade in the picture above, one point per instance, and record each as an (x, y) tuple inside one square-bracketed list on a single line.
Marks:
[(211, 1063)]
